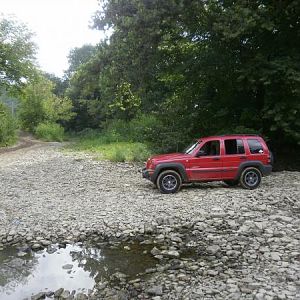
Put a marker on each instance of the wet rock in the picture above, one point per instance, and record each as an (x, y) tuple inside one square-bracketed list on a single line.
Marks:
[(170, 253), (41, 295), (36, 246), (81, 296), (65, 294), (67, 266), (155, 251), (58, 292)]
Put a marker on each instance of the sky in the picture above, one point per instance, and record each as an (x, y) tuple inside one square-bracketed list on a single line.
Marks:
[(59, 26)]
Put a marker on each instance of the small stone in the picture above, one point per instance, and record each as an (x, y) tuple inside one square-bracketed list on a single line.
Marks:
[(21, 254), (155, 291), (67, 267), (36, 246), (213, 249), (275, 256), (170, 253), (155, 251)]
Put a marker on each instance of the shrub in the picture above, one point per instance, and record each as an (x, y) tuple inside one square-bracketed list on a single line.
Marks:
[(50, 132), (8, 127)]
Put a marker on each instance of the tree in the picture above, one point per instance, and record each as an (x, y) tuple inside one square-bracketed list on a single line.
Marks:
[(16, 53), (126, 104), (39, 105), (79, 56)]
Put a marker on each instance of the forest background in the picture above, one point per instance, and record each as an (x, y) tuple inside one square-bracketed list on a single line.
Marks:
[(171, 71)]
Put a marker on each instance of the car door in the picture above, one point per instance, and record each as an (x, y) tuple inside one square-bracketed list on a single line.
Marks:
[(234, 154), (207, 164)]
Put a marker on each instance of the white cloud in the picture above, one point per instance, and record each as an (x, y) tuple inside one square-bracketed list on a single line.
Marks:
[(59, 25)]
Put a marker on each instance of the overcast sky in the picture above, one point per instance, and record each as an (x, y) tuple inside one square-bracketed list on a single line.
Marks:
[(59, 25)]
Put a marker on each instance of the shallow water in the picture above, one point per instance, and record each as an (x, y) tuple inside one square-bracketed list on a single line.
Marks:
[(75, 267)]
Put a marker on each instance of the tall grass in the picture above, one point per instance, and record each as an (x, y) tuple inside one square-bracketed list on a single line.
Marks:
[(8, 127), (50, 132)]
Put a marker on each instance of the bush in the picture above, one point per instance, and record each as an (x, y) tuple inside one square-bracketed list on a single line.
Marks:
[(50, 132), (8, 127)]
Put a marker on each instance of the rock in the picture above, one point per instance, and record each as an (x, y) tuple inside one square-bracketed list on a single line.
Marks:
[(155, 290), (149, 228), (81, 296), (67, 266), (170, 253), (58, 292), (213, 249), (36, 246), (41, 295), (155, 251), (21, 254), (275, 256), (65, 294)]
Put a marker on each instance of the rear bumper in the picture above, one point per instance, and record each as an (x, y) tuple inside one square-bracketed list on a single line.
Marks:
[(266, 170)]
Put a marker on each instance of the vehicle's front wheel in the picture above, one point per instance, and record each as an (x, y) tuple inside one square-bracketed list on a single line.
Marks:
[(169, 181), (250, 178)]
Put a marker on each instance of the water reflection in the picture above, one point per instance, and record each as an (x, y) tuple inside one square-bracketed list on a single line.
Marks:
[(75, 267)]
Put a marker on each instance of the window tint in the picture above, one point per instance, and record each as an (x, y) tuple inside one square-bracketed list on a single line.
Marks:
[(210, 148), (234, 146), (255, 146)]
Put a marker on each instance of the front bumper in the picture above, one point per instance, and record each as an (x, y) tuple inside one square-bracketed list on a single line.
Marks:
[(147, 173)]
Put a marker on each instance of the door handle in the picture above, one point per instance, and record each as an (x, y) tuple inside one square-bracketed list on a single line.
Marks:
[(216, 158), (243, 157)]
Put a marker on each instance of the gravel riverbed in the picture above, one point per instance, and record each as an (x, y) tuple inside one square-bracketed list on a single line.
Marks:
[(245, 244)]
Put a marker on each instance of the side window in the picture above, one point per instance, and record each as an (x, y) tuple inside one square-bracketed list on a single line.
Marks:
[(255, 146), (210, 148), (234, 146)]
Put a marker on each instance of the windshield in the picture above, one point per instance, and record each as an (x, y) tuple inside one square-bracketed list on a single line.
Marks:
[(191, 147)]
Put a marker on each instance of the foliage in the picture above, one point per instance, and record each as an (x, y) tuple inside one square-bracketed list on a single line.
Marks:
[(40, 105), (106, 147), (196, 68), (79, 56), (50, 132), (8, 126), (16, 53), (126, 104)]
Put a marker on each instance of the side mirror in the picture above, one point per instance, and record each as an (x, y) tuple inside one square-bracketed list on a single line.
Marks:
[(200, 153)]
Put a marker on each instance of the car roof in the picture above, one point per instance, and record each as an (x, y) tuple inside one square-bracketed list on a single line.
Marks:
[(229, 135)]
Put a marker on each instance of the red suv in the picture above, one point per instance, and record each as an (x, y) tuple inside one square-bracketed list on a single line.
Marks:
[(235, 159)]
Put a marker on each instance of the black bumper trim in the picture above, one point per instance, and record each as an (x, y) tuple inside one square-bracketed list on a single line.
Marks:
[(146, 174)]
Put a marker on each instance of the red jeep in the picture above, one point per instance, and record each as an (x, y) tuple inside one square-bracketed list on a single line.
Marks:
[(235, 159)]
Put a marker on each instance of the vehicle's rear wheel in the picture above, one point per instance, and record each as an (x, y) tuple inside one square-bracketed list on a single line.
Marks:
[(231, 182), (250, 178), (169, 181)]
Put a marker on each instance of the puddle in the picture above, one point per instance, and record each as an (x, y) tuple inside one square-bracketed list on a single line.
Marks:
[(75, 267)]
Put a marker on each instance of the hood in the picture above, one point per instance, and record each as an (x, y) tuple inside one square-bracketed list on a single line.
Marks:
[(170, 156)]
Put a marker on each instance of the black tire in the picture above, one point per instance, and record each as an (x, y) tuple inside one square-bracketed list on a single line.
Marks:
[(169, 182), (231, 182), (250, 178)]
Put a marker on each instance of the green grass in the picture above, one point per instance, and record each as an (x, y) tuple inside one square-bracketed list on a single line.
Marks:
[(106, 148), (50, 132)]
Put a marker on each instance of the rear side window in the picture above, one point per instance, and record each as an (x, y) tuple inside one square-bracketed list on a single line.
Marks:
[(234, 146), (255, 146)]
